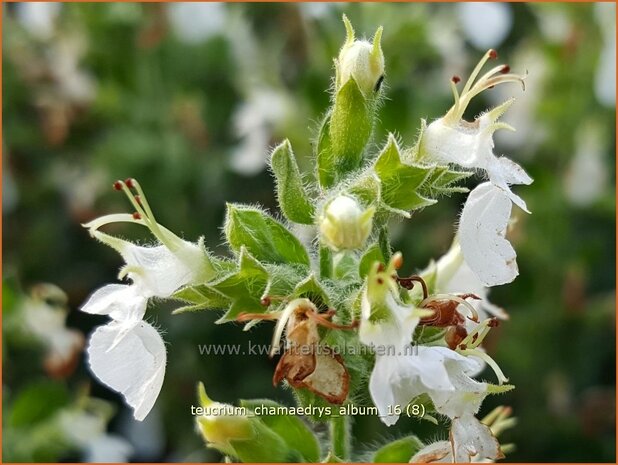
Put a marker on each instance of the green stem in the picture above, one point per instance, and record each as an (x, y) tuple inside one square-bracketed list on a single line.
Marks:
[(384, 243), (340, 437), (326, 262)]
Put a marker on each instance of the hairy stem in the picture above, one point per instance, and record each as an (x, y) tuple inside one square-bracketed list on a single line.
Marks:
[(340, 437)]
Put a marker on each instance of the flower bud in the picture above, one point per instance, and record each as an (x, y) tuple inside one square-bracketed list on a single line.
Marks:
[(361, 60), (344, 225), (221, 424)]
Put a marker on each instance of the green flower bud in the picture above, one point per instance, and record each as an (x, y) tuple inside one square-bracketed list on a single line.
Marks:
[(221, 424), (361, 60), (344, 225)]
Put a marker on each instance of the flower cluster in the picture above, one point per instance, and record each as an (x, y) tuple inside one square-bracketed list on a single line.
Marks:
[(423, 333)]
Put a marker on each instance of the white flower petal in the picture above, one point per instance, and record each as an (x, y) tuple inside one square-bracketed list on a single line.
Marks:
[(133, 366), (157, 269), (473, 441), (482, 230), (121, 302)]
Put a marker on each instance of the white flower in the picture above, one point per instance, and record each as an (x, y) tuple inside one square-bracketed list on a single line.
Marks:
[(86, 429), (344, 225), (451, 139), (39, 18), (360, 60), (469, 441), (44, 316), (128, 354), (385, 320), (454, 276), (482, 230)]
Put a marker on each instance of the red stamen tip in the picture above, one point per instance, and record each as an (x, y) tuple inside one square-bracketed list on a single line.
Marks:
[(117, 186), (138, 199), (398, 262), (455, 79), (492, 54), (493, 323), (380, 281), (130, 182), (505, 69), (137, 216), (265, 301)]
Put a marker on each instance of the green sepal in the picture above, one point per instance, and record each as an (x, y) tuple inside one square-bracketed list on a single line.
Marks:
[(344, 134), (399, 451), (264, 237), (293, 199), (311, 289), (499, 388), (372, 254), (200, 297), (400, 182), (243, 287)]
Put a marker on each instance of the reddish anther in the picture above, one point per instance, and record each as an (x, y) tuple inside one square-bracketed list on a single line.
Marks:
[(505, 69), (455, 79), (493, 54), (137, 216), (130, 182), (117, 186)]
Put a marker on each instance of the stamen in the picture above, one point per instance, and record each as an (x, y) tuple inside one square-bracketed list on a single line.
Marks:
[(506, 69), (490, 54), (454, 297), (117, 186), (130, 183), (137, 216), (490, 361), (278, 332), (257, 316), (329, 324), (455, 79)]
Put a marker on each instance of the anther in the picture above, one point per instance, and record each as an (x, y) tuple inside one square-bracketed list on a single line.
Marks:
[(398, 262), (493, 323), (137, 216), (505, 69), (455, 79), (265, 301), (138, 199), (380, 281), (380, 267), (130, 182), (117, 186), (492, 54)]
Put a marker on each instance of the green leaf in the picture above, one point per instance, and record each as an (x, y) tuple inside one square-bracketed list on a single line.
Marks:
[(400, 182), (296, 434), (499, 388), (293, 199), (244, 287), (372, 254), (264, 237), (324, 156), (399, 451), (200, 297), (350, 129)]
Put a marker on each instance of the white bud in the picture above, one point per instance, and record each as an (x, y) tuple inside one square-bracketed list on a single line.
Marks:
[(344, 225), (361, 60)]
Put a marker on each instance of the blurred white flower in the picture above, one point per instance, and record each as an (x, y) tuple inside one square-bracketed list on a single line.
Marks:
[(485, 24), (605, 77), (38, 18), (554, 22), (87, 430), (254, 122), (195, 22), (44, 316), (587, 176)]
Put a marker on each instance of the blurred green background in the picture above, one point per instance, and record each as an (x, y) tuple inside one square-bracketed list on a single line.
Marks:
[(189, 98)]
